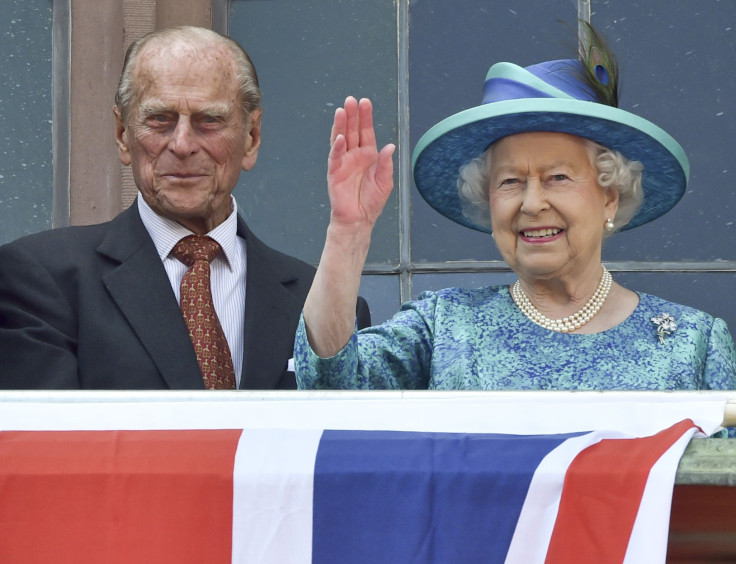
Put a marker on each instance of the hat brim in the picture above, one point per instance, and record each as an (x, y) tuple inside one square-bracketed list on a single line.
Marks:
[(455, 141)]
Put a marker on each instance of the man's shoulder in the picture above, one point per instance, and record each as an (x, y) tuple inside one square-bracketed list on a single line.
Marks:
[(289, 262), (288, 269), (53, 240), (278, 261), (79, 240)]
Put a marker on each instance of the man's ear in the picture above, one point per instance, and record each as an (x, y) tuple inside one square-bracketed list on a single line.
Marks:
[(121, 137), (253, 140)]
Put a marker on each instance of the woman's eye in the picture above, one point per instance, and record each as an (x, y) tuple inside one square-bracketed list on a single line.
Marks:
[(559, 177)]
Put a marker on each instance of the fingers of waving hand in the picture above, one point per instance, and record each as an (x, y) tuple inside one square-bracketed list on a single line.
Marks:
[(384, 172), (339, 123), (360, 178), (355, 121)]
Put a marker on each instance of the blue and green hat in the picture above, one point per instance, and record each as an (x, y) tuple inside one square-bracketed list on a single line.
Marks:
[(549, 96)]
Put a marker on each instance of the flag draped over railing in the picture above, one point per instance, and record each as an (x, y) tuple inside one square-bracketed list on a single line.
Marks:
[(319, 496), (348, 477)]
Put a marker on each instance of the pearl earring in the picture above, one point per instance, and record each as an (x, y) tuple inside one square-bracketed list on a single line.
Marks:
[(609, 226)]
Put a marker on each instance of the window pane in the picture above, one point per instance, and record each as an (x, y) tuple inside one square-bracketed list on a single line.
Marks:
[(310, 55), (452, 46), (677, 66), (382, 294), (25, 118)]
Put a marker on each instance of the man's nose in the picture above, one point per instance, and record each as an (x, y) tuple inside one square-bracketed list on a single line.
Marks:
[(184, 139)]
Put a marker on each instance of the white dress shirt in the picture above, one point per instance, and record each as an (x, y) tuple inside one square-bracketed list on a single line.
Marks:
[(227, 271)]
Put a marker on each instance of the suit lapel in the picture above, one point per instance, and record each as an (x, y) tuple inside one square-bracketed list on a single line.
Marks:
[(141, 289), (271, 310)]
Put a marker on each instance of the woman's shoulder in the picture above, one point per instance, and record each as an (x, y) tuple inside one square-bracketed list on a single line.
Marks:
[(462, 302), (468, 296), (659, 307)]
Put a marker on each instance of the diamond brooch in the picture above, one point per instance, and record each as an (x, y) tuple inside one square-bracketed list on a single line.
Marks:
[(665, 325)]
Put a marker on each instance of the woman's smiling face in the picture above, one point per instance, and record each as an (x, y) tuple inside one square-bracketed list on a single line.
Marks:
[(547, 209)]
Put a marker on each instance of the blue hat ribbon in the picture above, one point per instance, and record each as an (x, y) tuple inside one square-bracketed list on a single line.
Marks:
[(563, 76)]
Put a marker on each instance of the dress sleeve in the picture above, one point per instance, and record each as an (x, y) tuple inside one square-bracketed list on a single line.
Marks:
[(720, 364), (394, 355)]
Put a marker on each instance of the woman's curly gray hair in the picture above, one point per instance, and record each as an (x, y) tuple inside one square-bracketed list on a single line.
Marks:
[(614, 171), (196, 38)]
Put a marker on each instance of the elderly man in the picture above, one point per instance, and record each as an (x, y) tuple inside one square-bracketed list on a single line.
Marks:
[(176, 291)]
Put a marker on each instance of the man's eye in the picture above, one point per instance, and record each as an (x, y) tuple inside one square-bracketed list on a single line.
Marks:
[(212, 121)]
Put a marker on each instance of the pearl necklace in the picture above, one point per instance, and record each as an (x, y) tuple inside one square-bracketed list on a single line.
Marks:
[(572, 322)]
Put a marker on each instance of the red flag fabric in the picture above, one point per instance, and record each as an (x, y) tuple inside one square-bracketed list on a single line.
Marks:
[(116, 497), (601, 496)]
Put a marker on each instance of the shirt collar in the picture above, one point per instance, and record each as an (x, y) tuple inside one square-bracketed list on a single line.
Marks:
[(166, 233)]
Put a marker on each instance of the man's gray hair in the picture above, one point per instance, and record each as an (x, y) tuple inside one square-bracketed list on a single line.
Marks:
[(197, 38), (613, 170)]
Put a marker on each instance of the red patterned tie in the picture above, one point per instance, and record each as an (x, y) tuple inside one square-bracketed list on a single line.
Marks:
[(205, 331)]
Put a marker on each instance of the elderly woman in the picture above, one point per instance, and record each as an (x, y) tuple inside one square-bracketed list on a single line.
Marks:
[(550, 167)]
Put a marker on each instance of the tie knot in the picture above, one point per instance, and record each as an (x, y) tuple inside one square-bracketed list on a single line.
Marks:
[(195, 247)]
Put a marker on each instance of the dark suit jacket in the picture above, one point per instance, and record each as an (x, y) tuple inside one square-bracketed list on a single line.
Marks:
[(91, 307)]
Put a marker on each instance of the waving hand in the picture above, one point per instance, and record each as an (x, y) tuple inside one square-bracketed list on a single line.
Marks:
[(359, 182), (359, 177)]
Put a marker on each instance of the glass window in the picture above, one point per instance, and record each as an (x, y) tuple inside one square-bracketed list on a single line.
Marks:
[(26, 184), (310, 55), (677, 71)]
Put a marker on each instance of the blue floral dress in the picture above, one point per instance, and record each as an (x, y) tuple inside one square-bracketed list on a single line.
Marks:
[(459, 339)]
